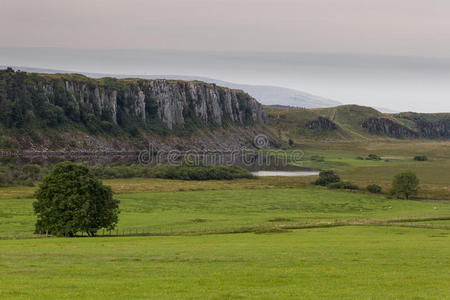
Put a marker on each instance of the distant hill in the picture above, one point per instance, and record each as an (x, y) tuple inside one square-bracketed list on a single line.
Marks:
[(268, 95), (353, 122)]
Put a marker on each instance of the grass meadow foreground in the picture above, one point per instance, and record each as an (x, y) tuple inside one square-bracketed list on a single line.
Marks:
[(305, 243), (266, 238), (358, 262)]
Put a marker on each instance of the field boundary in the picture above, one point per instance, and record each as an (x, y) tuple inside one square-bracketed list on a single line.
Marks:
[(258, 229)]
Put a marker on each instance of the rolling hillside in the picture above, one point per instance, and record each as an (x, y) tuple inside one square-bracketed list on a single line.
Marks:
[(353, 122)]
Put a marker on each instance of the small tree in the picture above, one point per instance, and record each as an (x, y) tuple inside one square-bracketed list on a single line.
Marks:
[(373, 157), (326, 177), (405, 185), (71, 200), (420, 158), (374, 188)]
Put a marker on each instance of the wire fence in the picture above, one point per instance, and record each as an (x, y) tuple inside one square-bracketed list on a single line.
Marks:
[(274, 226)]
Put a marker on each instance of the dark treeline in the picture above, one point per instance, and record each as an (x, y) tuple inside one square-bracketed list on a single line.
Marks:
[(30, 174)]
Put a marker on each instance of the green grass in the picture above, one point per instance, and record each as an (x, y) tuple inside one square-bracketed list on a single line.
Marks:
[(378, 249), (397, 156), (224, 210), (333, 263), (348, 118), (357, 246)]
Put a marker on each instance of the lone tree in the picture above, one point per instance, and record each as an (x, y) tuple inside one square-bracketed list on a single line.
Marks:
[(405, 185), (71, 200)]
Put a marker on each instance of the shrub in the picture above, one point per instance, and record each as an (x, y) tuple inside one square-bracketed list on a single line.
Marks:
[(326, 177), (373, 157), (420, 158), (405, 185), (71, 199), (343, 185), (374, 188)]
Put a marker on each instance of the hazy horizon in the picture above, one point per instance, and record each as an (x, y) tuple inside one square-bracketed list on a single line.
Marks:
[(401, 27), (393, 82), (393, 54)]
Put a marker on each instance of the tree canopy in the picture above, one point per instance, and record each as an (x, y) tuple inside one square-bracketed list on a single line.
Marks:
[(72, 200), (405, 185)]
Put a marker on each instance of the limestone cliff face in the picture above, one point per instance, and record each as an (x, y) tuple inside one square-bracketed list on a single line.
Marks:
[(174, 103)]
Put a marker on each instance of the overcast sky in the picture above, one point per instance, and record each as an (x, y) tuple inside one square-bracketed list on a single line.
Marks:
[(403, 28), (414, 27)]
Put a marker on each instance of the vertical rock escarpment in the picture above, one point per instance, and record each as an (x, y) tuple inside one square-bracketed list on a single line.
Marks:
[(384, 126), (57, 98), (433, 126), (179, 101), (172, 102)]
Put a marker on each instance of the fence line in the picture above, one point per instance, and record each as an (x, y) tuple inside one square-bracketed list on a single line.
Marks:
[(275, 225)]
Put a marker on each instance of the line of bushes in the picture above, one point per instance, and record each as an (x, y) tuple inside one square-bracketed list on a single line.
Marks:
[(370, 157), (330, 179), (30, 174), (405, 185), (27, 175), (199, 172)]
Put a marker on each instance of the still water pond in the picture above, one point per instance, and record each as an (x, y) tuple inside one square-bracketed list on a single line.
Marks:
[(285, 173)]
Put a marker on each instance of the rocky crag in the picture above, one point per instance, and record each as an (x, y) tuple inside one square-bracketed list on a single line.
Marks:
[(39, 103), (322, 123), (388, 127)]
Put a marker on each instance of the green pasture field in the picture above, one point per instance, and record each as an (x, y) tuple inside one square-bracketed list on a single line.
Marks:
[(357, 262), (230, 210), (266, 238), (397, 156)]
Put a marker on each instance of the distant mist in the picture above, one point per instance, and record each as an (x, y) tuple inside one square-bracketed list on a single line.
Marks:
[(395, 82)]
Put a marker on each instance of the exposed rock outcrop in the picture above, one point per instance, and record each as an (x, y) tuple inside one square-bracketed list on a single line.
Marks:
[(432, 126), (322, 124), (439, 129), (385, 126), (54, 99), (172, 102)]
